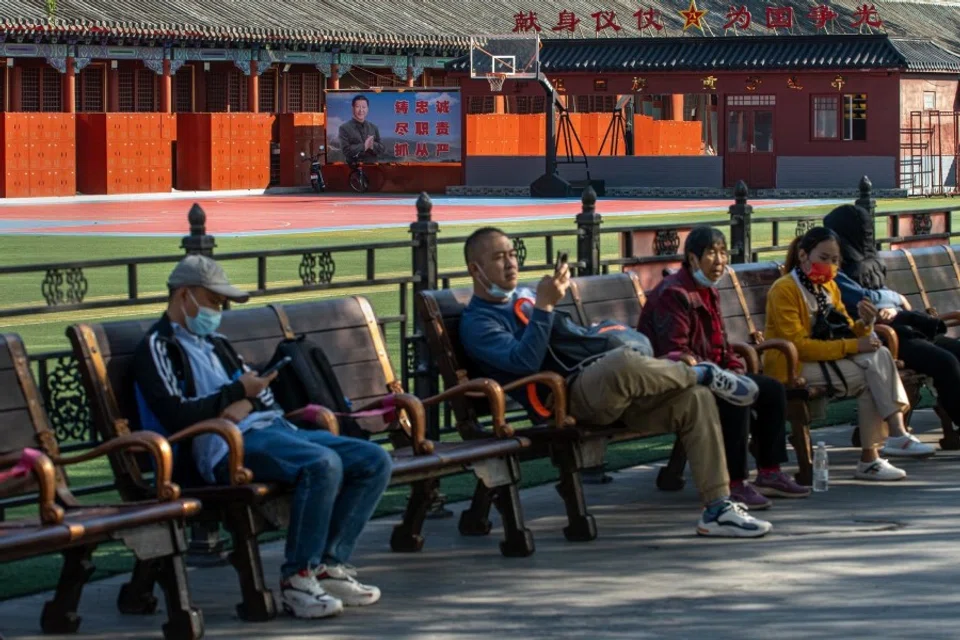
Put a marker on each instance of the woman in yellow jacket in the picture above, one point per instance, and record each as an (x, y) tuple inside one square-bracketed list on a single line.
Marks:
[(857, 365)]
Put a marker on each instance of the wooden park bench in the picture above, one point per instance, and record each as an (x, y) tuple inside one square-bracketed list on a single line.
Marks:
[(350, 336), (152, 528), (571, 446)]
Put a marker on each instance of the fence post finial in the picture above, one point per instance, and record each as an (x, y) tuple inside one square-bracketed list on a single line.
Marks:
[(741, 250), (198, 241), (588, 234)]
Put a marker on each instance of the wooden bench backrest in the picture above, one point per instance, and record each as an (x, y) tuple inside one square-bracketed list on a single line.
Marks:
[(345, 329), (939, 284), (745, 312), (23, 418)]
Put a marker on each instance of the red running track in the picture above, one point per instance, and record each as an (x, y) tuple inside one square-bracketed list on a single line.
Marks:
[(271, 214)]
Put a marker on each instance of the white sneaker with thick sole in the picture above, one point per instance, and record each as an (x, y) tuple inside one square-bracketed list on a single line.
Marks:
[(879, 470), (736, 389), (731, 521), (302, 597), (908, 446), (339, 581)]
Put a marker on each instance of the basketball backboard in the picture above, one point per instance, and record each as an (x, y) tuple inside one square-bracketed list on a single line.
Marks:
[(515, 56)]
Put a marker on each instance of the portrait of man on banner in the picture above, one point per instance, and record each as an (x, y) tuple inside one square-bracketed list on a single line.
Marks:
[(359, 138)]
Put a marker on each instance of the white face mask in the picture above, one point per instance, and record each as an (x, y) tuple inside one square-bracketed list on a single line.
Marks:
[(701, 278)]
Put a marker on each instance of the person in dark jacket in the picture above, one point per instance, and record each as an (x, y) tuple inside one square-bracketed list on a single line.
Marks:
[(923, 345), (186, 372), (360, 138), (682, 317)]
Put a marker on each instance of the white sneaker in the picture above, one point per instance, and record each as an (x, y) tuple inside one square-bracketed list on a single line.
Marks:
[(303, 597), (879, 470), (907, 446), (339, 581), (736, 389), (731, 521)]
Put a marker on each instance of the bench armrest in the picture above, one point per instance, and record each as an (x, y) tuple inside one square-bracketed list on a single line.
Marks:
[(558, 388), (45, 474), (889, 338), (411, 417), (481, 388), (234, 439), (154, 444), (749, 354), (318, 415), (789, 351)]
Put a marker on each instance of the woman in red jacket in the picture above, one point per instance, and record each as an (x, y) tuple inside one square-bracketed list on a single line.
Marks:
[(682, 317)]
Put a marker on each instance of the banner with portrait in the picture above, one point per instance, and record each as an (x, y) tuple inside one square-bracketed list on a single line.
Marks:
[(410, 126)]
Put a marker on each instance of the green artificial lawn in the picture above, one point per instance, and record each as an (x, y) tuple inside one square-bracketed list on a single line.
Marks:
[(45, 332)]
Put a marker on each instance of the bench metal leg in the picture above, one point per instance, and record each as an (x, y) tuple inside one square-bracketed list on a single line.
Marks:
[(406, 535), (136, 597), (517, 539), (951, 437), (568, 459), (184, 622), (258, 604), (799, 416), (670, 477), (60, 614), (475, 521)]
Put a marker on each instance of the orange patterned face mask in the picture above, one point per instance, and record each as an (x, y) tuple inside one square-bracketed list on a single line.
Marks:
[(822, 273)]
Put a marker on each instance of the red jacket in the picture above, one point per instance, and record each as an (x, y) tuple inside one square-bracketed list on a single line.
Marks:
[(678, 322)]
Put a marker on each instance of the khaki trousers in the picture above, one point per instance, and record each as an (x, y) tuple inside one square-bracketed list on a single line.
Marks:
[(873, 379), (654, 396)]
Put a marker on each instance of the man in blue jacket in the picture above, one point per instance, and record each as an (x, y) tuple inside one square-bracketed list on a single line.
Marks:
[(507, 333)]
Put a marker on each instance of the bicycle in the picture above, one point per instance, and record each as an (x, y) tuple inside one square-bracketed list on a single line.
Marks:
[(359, 181)]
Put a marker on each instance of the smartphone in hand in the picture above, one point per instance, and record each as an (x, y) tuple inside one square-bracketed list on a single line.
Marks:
[(279, 364), (562, 259)]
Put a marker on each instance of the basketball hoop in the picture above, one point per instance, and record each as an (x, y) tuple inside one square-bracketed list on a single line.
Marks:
[(496, 81)]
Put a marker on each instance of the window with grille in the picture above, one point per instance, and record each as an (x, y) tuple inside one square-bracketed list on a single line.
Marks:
[(238, 91), (752, 101), (89, 89), (30, 89), (595, 104), (530, 104), (217, 86), (146, 91), (295, 93), (125, 89), (52, 90), (268, 91), (481, 104), (183, 90), (311, 92), (855, 116)]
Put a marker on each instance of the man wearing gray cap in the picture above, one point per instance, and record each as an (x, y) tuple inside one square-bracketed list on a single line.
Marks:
[(187, 372)]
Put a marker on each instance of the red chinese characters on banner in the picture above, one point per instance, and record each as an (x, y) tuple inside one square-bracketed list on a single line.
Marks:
[(422, 150), (443, 148), (442, 106), (779, 17), (822, 15), (524, 22), (568, 21), (421, 128), (606, 20), (402, 128), (422, 106), (401, 149), (738, 18), (442, 128), (649, 19), (401, 107), (867, 15)]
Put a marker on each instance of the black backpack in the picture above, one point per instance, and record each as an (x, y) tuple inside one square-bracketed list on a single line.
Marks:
[(309, 379)]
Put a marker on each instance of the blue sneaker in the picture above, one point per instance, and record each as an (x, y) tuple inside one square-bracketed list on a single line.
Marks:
[(734, 388), (729, 520)]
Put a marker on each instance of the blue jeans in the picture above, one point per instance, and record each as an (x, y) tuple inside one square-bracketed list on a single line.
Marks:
[(337, 484)]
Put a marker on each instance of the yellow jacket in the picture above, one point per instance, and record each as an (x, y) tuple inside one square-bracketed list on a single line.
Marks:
[(788, 318)]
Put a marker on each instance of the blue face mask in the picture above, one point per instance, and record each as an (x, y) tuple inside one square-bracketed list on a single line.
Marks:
[(703, 280), (205, 322), (496, 291)]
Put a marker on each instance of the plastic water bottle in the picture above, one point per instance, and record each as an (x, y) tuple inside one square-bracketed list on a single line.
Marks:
[(821, 468)]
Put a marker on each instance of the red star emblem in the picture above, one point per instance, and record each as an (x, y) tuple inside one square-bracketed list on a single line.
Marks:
[(693, 17)]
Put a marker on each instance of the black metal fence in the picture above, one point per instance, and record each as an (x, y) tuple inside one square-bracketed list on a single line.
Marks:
[(435, 261)]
